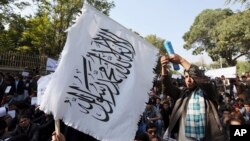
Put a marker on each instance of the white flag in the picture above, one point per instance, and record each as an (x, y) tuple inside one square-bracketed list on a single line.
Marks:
[(101, 83), (42, 84), (51, 64)]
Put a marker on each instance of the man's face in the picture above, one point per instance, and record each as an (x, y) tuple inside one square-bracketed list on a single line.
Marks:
[(151, 132), (226, 114), (247, 107), (165, 106), (244, 79), (24, 122), (228, 99), (158, 101), (189, 81)]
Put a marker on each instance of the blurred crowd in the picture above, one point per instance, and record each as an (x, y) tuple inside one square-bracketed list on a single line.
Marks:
[(22, 120), (233, 98)]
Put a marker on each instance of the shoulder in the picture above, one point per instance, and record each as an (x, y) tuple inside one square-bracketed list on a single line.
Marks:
[(34, 126)]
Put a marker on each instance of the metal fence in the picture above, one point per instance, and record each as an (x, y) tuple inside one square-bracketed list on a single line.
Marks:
[(13, 61)]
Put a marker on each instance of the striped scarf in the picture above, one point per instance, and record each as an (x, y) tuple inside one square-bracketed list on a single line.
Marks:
[(195, 118)]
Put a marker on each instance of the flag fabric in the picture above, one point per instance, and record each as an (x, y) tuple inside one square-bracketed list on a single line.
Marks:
[(101, 82), (51, 64), (42, 84)]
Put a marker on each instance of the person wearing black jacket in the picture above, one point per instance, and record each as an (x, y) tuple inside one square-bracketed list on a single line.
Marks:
[(195, 115), (26, 129)]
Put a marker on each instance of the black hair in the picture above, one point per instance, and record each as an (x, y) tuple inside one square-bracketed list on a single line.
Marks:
[(142, 137), (247, 102), (150, 125)]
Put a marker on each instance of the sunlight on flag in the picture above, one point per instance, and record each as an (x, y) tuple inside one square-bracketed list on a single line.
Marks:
[(101, 83)]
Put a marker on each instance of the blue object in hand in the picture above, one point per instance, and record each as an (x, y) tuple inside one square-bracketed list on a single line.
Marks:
[(168, 46)]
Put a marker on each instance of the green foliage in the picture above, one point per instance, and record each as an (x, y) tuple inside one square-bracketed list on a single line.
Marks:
[(60, 14), (157, 42), (42, 32), (232, 36), (198, 37), (102, 5), (6, 43), (16, 27), (221, 33), (243, 67), (24, 49), (39, 36)]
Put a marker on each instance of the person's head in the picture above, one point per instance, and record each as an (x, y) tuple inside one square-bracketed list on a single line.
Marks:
[(222, 77), (165, 105), (247, 105), (158, 100), (228, 99), (189, 81), (149, 105), (194, 76), (226, 113), (24, 121), (244, 78), (240, 88), (151, 130)]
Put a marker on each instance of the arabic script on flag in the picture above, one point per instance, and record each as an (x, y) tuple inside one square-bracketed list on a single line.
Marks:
[(102, 79)]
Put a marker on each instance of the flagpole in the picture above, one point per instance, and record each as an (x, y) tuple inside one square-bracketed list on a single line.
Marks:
[(57, 126)]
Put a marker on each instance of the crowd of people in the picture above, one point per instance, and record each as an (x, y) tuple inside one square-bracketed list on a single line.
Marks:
[(183, 109), (21, 119), (211, 104)]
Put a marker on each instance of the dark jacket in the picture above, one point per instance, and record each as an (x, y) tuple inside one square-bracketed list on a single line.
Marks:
[(19, 89), (213, 129), (31, 132)]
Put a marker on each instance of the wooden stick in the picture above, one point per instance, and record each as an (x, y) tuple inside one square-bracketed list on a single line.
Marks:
[(57, 126)]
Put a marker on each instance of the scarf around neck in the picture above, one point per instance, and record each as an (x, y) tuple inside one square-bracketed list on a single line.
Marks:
[(195, 117)]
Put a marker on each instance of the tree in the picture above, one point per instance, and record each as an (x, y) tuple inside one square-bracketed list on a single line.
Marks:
[(243, 67), (6, 43), (38, 36), (157, 42), (208, 34), (12, 36), (61, 14), (7, 9), (44, 32), (232, 37)]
